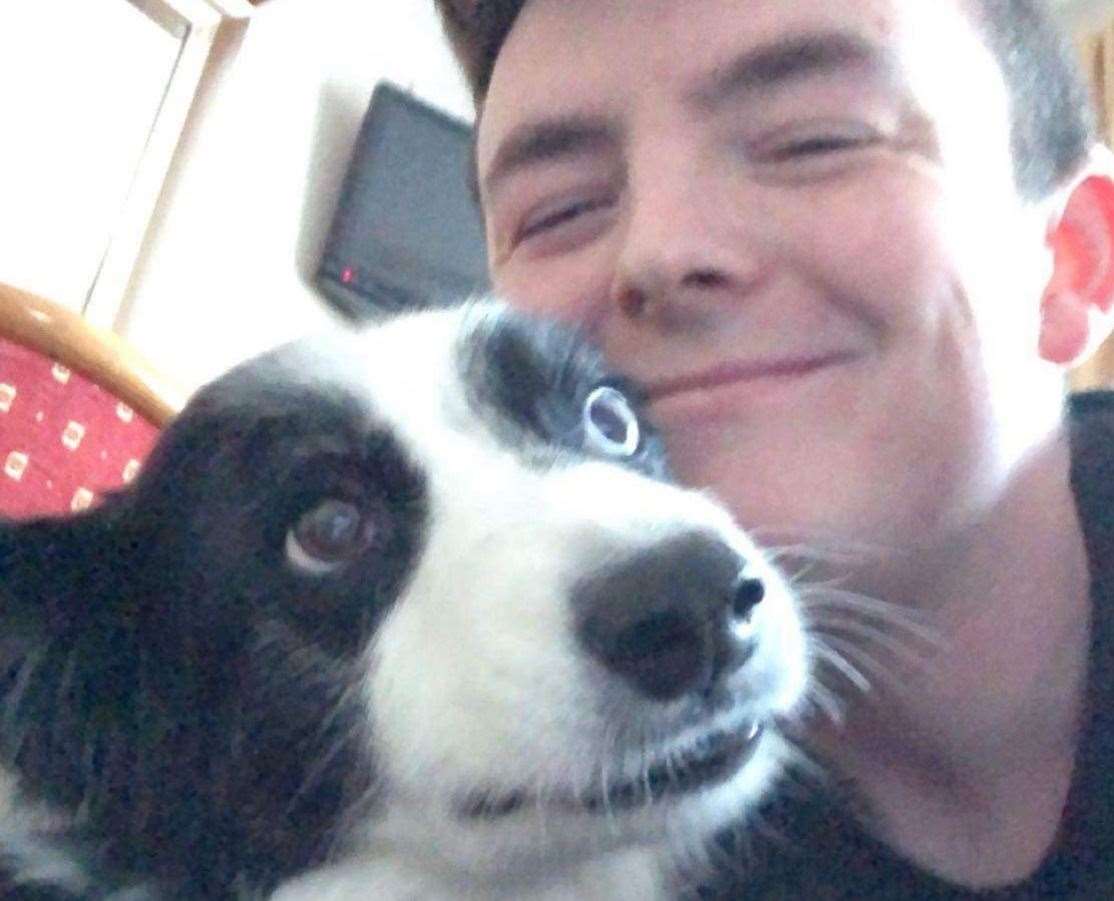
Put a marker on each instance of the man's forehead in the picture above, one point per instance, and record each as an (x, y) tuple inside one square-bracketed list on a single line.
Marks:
[(678, 39), (598, 58)]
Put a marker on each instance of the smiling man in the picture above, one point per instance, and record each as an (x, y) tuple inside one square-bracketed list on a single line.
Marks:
[(851, 248)]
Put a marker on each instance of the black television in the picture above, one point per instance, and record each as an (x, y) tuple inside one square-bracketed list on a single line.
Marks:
[(407, 230)]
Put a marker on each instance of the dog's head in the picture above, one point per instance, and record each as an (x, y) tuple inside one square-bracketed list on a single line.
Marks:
[(428, 586)]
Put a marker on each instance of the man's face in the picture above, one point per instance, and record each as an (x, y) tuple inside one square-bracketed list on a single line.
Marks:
[(795, 221)]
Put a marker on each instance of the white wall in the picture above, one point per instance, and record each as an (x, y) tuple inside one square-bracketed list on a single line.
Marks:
[(225, 270), (1084, 13)]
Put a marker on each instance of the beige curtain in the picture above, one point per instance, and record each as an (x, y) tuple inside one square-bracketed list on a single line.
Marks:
[(1098, 60)]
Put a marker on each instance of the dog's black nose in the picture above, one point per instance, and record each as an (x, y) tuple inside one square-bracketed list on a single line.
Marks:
[(667, 620)]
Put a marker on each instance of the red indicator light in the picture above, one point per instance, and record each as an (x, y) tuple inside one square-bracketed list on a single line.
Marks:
[(347, 275)]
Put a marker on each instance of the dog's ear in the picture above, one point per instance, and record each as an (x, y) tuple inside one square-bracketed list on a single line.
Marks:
[(59, 573), (146, 568), (99, 601)]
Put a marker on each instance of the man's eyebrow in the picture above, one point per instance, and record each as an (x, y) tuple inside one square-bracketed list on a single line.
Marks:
[(548, 140), (790, 59)]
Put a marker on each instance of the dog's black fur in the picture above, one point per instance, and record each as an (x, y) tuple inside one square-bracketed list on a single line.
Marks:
[(163, 683), (185, 704), (164, 678)]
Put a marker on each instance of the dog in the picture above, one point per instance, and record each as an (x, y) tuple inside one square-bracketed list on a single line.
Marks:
[(408, 612)]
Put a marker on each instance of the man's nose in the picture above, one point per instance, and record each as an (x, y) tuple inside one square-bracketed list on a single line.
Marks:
[(685, 242)]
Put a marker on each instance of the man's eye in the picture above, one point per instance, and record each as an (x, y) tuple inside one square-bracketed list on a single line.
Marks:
[(816, 146), (561, 216), (808, 145)]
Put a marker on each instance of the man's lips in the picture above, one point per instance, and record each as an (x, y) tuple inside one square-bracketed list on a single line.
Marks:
[(743, 371)]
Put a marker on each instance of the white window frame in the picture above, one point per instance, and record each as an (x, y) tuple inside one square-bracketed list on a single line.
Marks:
[(203, 18)]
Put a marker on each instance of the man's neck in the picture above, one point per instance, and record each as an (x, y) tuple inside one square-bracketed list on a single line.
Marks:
[(965, 765)]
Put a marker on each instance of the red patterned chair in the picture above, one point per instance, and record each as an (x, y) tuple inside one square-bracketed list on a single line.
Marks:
[(79, 410)]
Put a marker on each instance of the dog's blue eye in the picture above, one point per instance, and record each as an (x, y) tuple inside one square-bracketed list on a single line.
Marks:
[(327, 536), (610, 426)]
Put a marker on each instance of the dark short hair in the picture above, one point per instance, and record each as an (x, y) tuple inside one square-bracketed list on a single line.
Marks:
[(1050, 108)]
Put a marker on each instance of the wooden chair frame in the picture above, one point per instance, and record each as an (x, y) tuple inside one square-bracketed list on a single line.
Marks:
[(100, 356)]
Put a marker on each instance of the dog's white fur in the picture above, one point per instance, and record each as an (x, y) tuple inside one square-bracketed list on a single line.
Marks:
[(474, 681), (493, 693)]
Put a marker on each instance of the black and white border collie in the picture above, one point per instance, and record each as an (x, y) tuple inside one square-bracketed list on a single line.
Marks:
[(409, 613)]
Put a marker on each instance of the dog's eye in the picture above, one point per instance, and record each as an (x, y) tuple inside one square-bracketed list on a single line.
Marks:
[(327, 536), (610, 425)]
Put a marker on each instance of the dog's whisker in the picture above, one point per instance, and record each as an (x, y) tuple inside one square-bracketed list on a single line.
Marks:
[(14, 735), (886, 614), (840, 662), (826, 701), (610, 746), (902, 646), (314, 774), (14, 700), (893, 654), (882, 674)]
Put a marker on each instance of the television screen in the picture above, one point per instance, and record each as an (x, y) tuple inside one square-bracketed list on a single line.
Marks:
[(407, 229)]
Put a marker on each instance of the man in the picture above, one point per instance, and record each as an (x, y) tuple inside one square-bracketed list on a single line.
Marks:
[(851, 247)]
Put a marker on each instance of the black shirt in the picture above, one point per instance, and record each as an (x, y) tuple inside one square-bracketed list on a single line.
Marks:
[(809, 847)]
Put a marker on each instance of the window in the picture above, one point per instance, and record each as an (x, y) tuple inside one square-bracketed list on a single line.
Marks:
[(95, 98)]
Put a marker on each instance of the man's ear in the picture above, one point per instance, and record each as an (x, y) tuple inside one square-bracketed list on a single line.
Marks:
[(1077, 309)]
